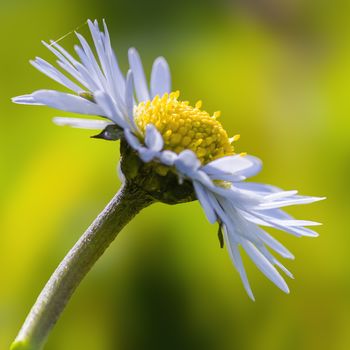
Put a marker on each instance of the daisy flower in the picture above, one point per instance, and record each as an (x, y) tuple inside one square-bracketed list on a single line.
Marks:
[(173, 140)]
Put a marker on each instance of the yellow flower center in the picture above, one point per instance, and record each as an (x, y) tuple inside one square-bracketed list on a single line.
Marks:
[(185, 127)]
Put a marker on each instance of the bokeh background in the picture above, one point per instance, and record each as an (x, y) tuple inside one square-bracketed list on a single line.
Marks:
[(280, 73)]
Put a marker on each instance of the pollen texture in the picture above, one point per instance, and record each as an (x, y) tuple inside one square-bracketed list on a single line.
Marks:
[(185, 127)]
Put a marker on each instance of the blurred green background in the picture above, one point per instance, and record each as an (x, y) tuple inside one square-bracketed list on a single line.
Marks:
[(280, 73)]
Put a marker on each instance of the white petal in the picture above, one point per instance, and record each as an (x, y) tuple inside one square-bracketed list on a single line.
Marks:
[(160, 78), (153, 138), (67, 102), (265, 266), (139, 75), (81, 123)]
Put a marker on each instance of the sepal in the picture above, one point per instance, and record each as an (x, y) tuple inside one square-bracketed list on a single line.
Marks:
[(110, 133)]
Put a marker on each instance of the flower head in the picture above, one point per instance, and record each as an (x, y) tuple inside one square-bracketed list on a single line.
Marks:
[(175, 151)]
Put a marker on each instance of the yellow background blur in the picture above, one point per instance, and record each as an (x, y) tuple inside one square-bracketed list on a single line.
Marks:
[(280, 73)]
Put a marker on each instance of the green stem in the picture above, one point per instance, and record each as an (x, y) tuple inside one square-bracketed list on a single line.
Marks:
[(63, 282)]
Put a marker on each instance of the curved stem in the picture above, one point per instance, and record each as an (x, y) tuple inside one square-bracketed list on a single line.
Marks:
[(63, 282)]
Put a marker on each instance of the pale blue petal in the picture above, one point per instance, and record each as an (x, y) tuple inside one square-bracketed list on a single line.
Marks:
[(290, 201), (272, 213), (81, 123), (203, 198), (26, 100), (69, 64), (275, 245), (297, 231), (252, 170), (129, 100), (239, 198), (254, 216), (132, 140), (160, 78), (277, 214), (220, 212), (65, 63), (263, 250), (97, 39), (153, 138), (111, 71), (117, 75), (231, 165), (49, 70), (92, 82), (237, 261), (297, 223), (67, 102), (257, 187), (168, 158), (109, 108), (64, 52), (58, 54), (187, 162), (146, 154), (203, 178), (265, 266), (142, 93), (91, 61), (226, 177), (87, 67), (281, 194), (77, 75)]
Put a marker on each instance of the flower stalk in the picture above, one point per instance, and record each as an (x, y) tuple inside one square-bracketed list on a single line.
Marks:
[(52, 300)]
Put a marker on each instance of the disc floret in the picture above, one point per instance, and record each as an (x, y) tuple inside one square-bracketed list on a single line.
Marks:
[(183, 126)]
